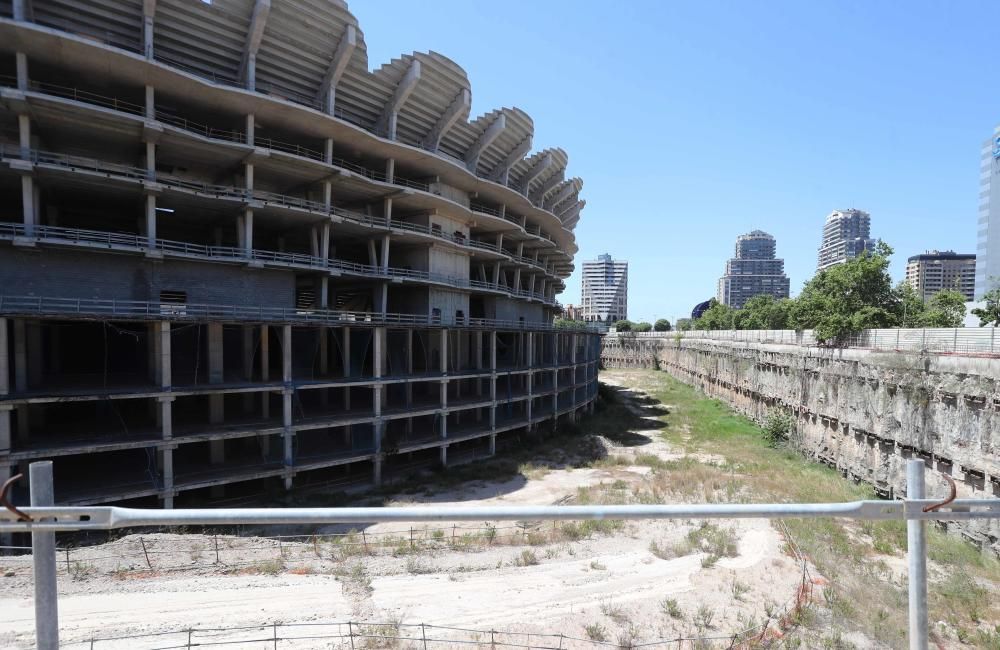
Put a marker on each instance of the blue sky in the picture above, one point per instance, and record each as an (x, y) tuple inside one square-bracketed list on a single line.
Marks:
[(693, 122)]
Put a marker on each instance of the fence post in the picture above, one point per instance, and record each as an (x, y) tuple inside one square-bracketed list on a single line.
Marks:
[(916, 540), (215, 538), (275, 624), (43, 553), (423, 635), (350, 633), (144, 552)]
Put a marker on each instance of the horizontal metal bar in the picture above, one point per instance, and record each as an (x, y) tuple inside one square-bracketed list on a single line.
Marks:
[(110, 517)]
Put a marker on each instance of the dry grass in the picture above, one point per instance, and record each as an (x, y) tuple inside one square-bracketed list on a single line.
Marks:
[(863, 594)]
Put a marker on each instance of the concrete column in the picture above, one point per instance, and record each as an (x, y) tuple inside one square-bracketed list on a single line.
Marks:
[(216, 402), (530, 375), (21, 63), (247, 234), (28, 204), (409, 372), (167, 454), (265, 372), (147, 32), (4, 359), (443, 364), (493, 388), (390, 170), (162, 334), (151, 221), (5, 434), (324, 292), (477, 351), (378, 358), (286, 401)]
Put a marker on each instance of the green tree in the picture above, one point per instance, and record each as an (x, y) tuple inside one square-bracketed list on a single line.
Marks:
[(717, 317), (764, 312), (849, 297), (912, 308), (662, 325), (567, 324), (623, 326), (684, 324), (643, 327), (946, 308), (989, 313)]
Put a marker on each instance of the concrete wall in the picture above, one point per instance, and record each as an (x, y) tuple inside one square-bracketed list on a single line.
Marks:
[(866, 412), (120, 277)]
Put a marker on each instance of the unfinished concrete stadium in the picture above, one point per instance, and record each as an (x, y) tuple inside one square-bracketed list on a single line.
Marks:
[(242, 261)]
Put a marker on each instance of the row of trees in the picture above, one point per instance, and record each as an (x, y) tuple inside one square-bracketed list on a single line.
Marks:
[(662, 325), (844, 299)]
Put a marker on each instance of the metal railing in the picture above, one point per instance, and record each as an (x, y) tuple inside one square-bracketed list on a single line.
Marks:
[(138, 174), (43, 519), (960, 340), (133, 108), (146, 310)]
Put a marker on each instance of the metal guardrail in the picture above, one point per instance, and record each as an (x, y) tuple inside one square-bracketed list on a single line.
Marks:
[(960, 340), (43, 519), (145, 310)]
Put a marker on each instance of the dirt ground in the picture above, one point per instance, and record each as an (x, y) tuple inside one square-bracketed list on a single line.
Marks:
[(608, 585)]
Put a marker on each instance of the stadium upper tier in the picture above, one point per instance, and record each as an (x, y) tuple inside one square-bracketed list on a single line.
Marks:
[(303, 65)]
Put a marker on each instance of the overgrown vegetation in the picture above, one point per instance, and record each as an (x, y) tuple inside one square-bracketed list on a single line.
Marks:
[(864, 593), (845, 299)]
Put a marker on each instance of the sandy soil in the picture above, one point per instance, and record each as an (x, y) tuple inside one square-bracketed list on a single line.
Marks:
[(611, 581)]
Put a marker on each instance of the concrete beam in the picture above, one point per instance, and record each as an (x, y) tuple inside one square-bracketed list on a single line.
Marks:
[(550, 184), (248, 64), (458, 109), (484, 140), (501, 172), (386, 121), (540, 165), (567, 191), (341, 57), (573, 212)]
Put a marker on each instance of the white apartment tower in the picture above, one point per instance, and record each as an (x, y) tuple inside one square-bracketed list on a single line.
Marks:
[(988, 235), (846, 234), (605, 290)]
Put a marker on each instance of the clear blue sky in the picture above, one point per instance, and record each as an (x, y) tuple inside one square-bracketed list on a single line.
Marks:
[(693, 122)]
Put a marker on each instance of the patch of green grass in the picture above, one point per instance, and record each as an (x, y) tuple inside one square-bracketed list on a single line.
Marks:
[(671, 608)]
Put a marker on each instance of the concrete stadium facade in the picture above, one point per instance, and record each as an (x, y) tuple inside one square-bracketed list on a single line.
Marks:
[(235, 259)]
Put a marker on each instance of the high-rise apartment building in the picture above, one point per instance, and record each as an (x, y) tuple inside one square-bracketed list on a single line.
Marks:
[(988, 234), (846, 234), (605, 290), (934, 271), (754, 270)]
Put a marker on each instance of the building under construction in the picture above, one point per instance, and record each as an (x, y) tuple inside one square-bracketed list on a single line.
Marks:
[(233, 259)]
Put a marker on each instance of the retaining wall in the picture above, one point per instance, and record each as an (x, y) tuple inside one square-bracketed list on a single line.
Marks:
[(865, 412)]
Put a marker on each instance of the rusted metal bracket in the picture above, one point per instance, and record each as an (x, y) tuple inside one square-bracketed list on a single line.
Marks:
[(948, 499), (21, 516)]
